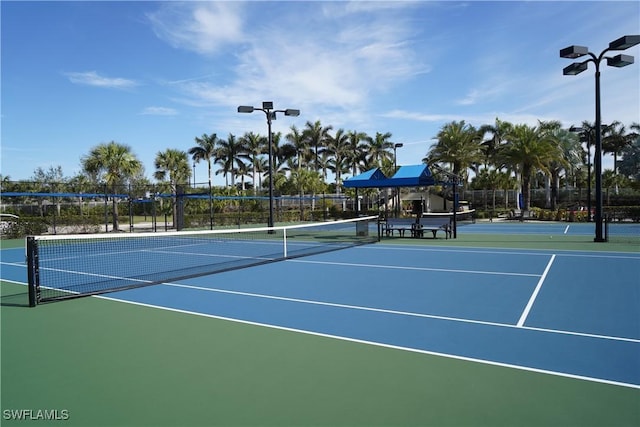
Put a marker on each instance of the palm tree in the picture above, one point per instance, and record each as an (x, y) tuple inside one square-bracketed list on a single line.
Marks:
[(609, 179), (458, 144), (570, 150), (614, 141), (231, 153), (490, 147), (315, 135), (80, 183), (173, 165), (114, 164), (488, 179), (206, 150), (338, 148), (256, 146), (297, 140), (356, 150), (282, 152), (380, 149), (630, 162), (304, 180), (529, 150)]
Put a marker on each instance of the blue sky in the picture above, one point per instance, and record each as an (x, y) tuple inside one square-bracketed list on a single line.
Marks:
[(155, 75)]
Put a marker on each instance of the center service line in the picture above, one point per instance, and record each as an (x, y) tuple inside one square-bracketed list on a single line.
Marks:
[(527, 309)]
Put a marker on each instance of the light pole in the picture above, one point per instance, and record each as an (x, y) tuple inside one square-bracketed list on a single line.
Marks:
[(572, 52), (395, 169), (267, 108)]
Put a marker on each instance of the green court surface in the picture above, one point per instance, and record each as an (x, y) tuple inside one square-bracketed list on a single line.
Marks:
[(99, 362), (114, 364)]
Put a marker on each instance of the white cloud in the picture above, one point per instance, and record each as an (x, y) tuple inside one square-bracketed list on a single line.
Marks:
[(159, 111), (203, 27), (92, 78), (314, 62), (423, 117)]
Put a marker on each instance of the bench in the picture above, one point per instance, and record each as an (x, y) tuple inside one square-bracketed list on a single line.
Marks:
[(433, 224), (400, 225)]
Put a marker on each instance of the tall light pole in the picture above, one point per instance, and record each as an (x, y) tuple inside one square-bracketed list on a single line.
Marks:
[(395, 169), (572, 52), (267, 108)]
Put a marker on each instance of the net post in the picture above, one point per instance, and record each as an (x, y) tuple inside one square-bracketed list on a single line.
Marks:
[(284, 242), (33, 273)]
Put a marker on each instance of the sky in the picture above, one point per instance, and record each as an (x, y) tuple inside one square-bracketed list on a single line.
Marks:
[(156, 75)]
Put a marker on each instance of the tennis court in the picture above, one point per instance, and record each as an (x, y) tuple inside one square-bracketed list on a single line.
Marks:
[(510, 324)]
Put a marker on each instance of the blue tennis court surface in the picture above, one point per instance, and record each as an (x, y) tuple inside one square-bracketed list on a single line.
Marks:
[(567, 313), (550, 228)]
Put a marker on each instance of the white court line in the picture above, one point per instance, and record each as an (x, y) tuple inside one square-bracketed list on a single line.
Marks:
[(527, 309), (377, 344), (566, 229), (363, 308), (398, 312), (396, 267), (506, 251)]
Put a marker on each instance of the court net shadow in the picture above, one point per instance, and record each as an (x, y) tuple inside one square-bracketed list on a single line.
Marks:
[(15, 300)]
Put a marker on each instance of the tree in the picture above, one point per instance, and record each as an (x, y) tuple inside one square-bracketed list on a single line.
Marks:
[(300, 145), (114, 164), (459, 144), (173, 165), (529, 150), (614, 141), (570, 156), (315, 136), (231, 153), (282, 151), (379, 149), (304, 180), (338, 148), (50, 181), (255, 146), (630, 162), (491, 147), (356, 150), (206, 150)]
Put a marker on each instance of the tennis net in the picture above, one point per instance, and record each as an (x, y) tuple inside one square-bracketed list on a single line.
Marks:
[(63, 267)]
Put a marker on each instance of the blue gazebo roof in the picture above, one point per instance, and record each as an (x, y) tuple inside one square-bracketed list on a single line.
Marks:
[(406, 176)]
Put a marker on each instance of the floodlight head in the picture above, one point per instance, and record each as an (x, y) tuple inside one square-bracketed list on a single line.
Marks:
[(399, 145), (576, 129), (574, 52), (624, 42), (620, 61), (575, 68), (245, 109), (267, 105), (291, 112)]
